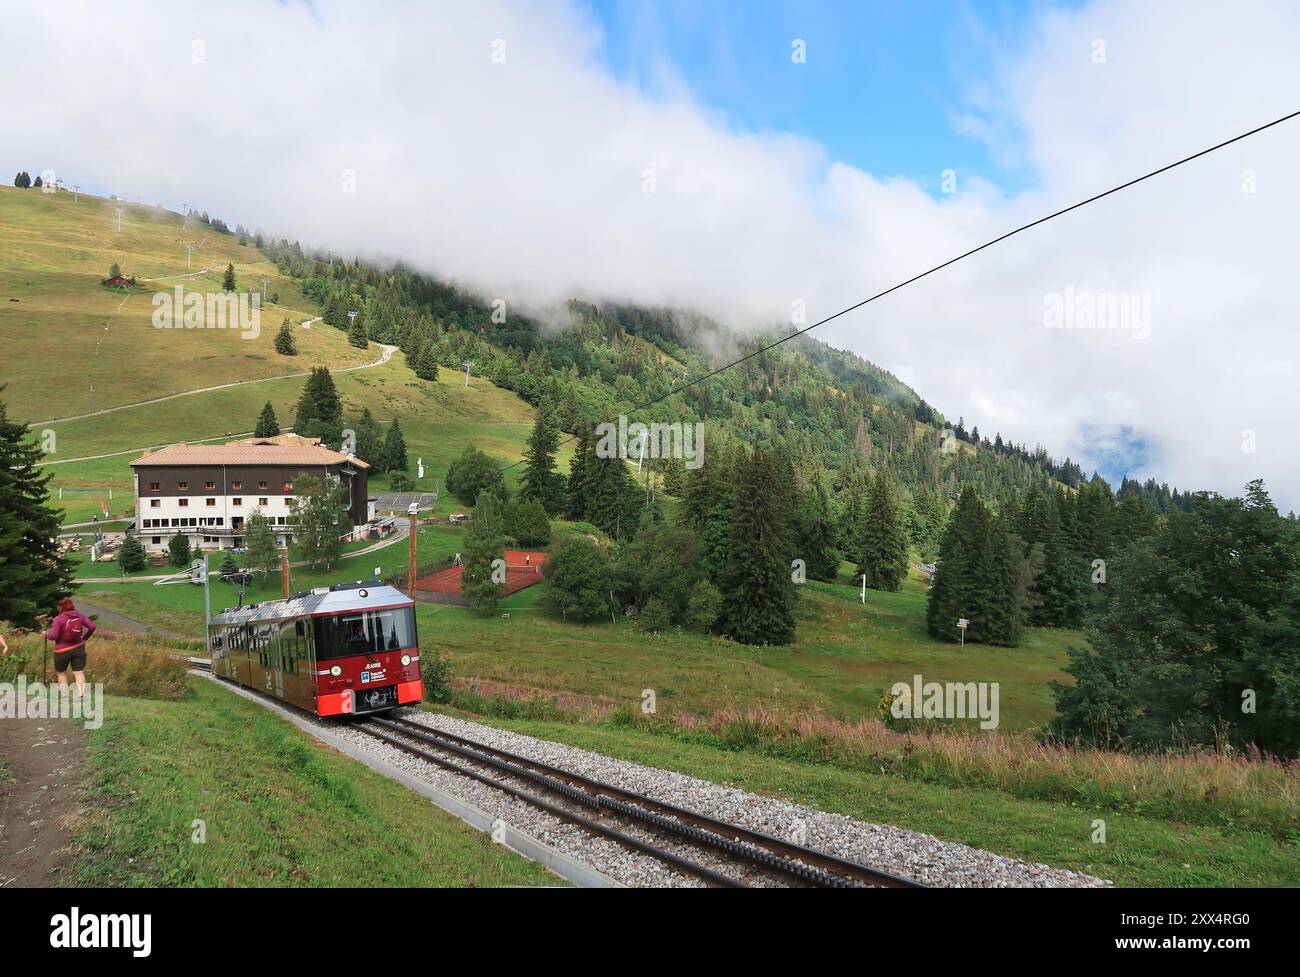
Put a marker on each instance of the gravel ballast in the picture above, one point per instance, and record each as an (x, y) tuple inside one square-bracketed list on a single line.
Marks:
[(912, 854)]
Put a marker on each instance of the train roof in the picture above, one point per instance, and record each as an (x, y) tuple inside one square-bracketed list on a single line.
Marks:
[(322, 600)]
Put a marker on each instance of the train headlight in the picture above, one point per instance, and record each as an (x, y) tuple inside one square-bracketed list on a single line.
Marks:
[(336, 671), (406, 659)]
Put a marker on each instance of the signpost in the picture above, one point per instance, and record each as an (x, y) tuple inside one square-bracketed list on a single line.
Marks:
[(963, 623)]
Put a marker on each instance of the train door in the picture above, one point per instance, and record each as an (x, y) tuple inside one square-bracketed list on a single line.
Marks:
[(292, 663), (237, 655)]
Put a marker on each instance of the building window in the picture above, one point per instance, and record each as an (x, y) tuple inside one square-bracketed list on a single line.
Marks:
[(263, 501), (156, 540), (155, 503), (237, 502), (154, 486), (262, 486), (182, 486), (184, 503), (211, 502), (236, 486), (288, 486), (209, 485)]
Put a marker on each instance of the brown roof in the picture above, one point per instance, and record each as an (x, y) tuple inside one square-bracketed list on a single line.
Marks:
[(245, 453), (280, 439)]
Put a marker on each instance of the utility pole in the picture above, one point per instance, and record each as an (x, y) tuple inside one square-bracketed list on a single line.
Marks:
[(284, 573), (263, 289), (189, 251), (207, 608), (410, 562), (75, 191), (352, 317), (468, 364), (119, 220)]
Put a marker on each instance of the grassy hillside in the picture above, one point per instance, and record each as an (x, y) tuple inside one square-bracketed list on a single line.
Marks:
[(73, 346)]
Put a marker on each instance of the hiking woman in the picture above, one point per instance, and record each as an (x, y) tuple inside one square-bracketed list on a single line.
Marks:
[(69, 631)]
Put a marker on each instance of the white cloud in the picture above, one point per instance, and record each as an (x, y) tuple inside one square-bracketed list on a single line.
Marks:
[(524, 180)]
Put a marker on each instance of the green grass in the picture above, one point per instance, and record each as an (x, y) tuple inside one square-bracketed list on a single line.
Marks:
[(278, 808), (53, 310), (1139, 851), (844, 656)]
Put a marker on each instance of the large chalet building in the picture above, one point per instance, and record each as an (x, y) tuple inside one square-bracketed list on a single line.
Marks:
[(207, 492)]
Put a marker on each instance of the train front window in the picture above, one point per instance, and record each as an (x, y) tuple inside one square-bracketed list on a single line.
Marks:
[(364, 632)]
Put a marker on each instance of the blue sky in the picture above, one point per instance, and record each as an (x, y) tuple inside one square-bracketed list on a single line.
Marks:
[(880, 88)]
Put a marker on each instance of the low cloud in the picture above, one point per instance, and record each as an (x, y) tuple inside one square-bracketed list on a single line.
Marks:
[(486, 143)]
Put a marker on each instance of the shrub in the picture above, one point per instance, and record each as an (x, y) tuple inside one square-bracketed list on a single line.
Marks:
[(703, 607), (435, 673), (126, 665), (657, 615)]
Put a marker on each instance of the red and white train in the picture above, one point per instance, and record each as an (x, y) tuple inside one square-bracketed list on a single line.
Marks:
[(350, 648)]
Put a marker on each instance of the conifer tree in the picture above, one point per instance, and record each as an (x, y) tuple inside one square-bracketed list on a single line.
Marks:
[(285, 344), (267, 425), (576, 508), (957, 587), (883, 551), (130, 555), (357, 333), (817, 543), (540, 481), (228, 283), (229, 564), (484, 544), (178, 550), (757, 606), (33, 576), (394, 449)]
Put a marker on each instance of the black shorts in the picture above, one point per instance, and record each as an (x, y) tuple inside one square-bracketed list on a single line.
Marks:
[(76, 657)]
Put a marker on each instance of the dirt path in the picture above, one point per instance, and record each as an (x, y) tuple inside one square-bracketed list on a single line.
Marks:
[(40, 800), (386, 354)]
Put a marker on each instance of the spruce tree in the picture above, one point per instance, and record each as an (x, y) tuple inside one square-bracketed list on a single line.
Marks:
[(285, 344), (576, 508), (757, 607), (228, 283), (229, 564), (369, 439), (817, 543), (394, 453), (33, 576), (484, 545), (883, 551), (130, 555), (178, 550), (267, 425), (357, 334), (956, 589), (540, 481)]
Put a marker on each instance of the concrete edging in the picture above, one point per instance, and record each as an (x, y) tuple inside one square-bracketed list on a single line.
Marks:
[(565, 866)]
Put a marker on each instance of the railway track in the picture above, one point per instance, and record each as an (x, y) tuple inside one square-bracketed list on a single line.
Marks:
[(684, 839)]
